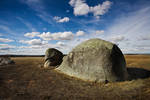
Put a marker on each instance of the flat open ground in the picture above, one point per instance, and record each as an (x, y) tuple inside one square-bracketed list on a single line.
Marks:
[(27, 81)]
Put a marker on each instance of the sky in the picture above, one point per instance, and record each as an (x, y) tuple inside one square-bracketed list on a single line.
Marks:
[(29, 27)]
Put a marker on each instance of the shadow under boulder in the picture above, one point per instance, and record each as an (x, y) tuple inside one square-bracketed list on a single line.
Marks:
[(138, 73)]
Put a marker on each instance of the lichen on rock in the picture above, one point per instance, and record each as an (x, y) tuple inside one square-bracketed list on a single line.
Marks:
[(95, 60)]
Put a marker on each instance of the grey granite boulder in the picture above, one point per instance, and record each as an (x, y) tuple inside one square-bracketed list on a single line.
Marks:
[(53, 58), (5, 61), (95, 60)]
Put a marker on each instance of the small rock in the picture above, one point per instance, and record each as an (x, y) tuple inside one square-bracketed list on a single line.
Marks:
[(6, 61), (53, 58)]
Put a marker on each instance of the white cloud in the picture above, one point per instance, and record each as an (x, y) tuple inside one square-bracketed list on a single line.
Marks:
[(99, 31), (62, 36), (101, 9), (144, 37), (45, 36), (40, 49), (44, 46), (134, 27), (5, 40), (65, 19), (80, 7), (32, 34), (61, 43), (34, 42), (133, 24), (6, 47), (57, 18), (57, 36), (61, 20), (117, 39), (80, 33)]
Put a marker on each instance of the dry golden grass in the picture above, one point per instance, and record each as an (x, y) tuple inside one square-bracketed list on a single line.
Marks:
[(26, 81), (139, 61)]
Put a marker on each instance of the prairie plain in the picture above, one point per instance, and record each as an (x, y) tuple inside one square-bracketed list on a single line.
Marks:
[(26, 80)]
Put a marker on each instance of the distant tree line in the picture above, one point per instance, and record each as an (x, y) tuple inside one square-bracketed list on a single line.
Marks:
[(22, 55)]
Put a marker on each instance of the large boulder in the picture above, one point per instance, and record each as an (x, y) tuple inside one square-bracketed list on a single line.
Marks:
[(53, 58), (95, 60), (5, 61)]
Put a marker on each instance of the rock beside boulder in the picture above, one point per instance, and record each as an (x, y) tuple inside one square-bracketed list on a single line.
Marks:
[(53, 58), (95, 60), (5, 61)]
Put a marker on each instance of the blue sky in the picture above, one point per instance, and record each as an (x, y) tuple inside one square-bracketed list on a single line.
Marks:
[(32, 26)]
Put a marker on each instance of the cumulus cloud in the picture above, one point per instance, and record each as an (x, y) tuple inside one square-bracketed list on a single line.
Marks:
[(45, 36), (32, 34), (101, 9), (61, 20), (99, 31), (65, 19), (80, 7), (117, 39), (34, 42), (61, 43), (5, 40), (80, 33), (57, 18), (6, 47), (57, 36)]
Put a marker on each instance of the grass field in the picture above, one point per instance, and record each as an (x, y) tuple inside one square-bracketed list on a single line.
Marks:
[(27, 81)]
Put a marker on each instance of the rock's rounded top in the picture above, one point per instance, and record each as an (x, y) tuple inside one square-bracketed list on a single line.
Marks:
[(93, 43), (51, 52), (95, 60)]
